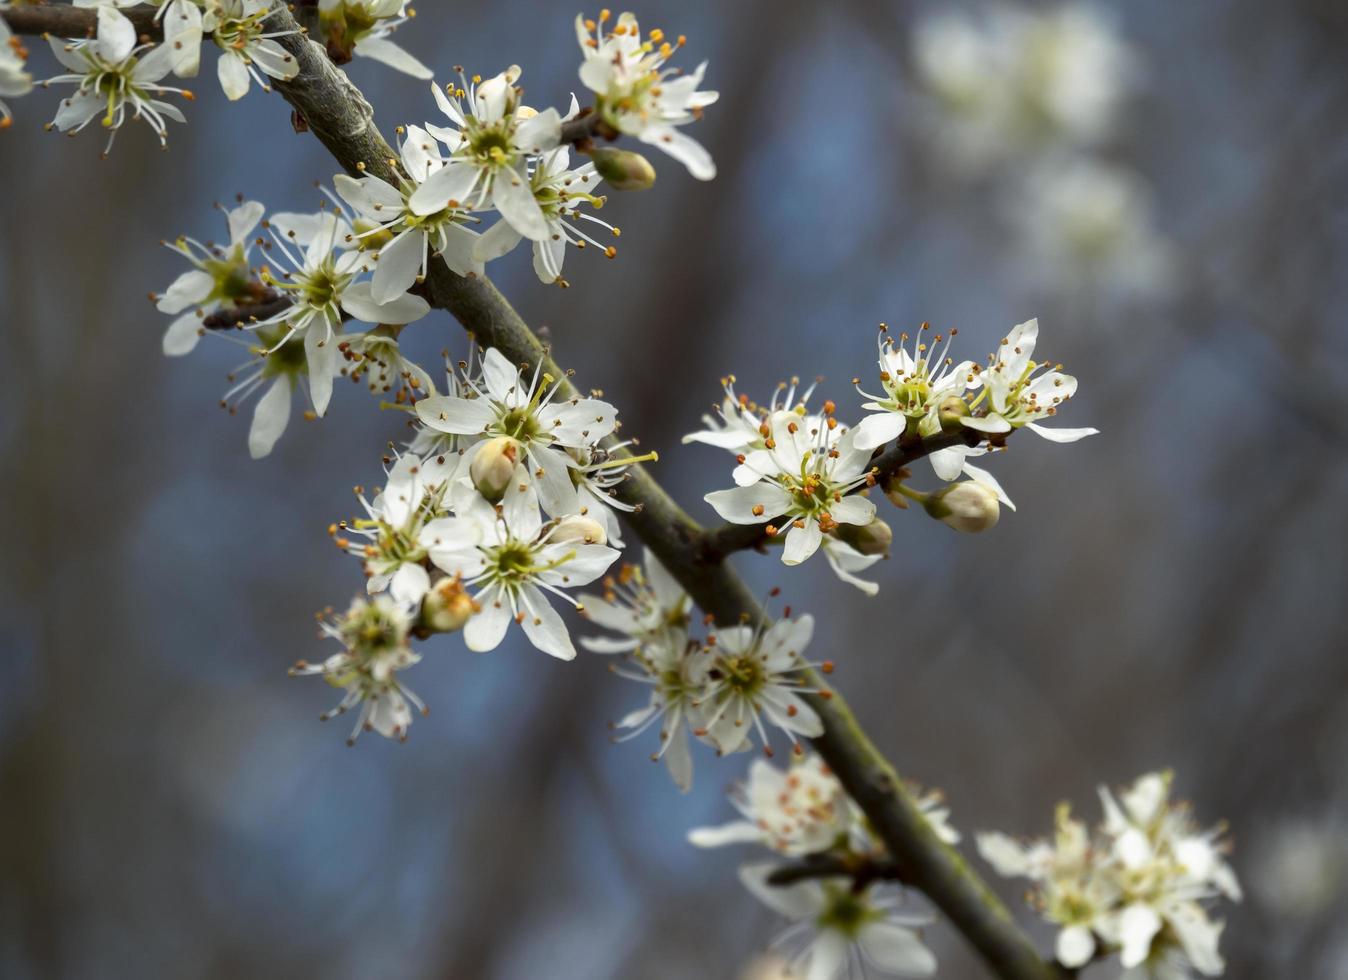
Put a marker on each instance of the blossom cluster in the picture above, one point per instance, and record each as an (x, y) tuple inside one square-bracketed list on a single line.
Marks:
[(1036, 96), (1137, 887), (842, 923), (805, 476)]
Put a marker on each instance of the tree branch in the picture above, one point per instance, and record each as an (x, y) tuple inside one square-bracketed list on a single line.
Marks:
[(63, 20), (341, 118)]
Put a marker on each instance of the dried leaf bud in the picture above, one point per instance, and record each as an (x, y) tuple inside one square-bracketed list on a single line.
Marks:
[(623, 169), (447, 606), (493, 468), (966, 506), (584, 530), (869, 539)]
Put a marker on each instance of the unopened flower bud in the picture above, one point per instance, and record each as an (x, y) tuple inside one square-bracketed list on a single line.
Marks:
[(869, 539), (623, 169), (493, 468), (951, 410), (966, 506), (586, 530), (447, 606)]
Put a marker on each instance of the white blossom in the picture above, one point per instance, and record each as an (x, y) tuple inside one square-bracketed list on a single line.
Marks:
[(248, 51), (322, 285), (804, 475), (1083, 224), (363, 28), (1021, 392), (221, 277), (752, 672), (490, 143), (560, 193), (838, 933), (395, 532), (507, 554), (738, 421), (637, 94), (14, 80), (1137, 889), (1016, 81), (374, 634), (797, 811), (116, 78), (663, 659), (404, 241), (643, 603), (916, 384), (542, 423)]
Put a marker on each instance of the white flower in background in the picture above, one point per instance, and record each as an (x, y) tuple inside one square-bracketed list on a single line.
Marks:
[(665, 662), (1014, 82), (838, 933), (14, 80), (797, 811), (560, 193), (1089, 226), (514, 561), (738, 423), (322, 285), (248, 51), (374, 635), (638, 95), (116, 78), (751, 672), (643, 603), (403, 240), (916, 383), (281, 367), (363, 28), (397, 530), (596, 474), (805, 475), (375, 359), (221, 277), (1137, 889), (1018, 394), (543, 425), (489, 145)]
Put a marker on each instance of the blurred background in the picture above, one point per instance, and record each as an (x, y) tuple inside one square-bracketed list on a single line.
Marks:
[(1163, 185)]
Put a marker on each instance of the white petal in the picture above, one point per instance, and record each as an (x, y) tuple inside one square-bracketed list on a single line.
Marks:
[(269, 418), (182, 335), (189, 289), (452, 182), (487, 629), (544, 626), (802, 542), (358, 301), (683, 148), (398, 266), (463, 416), (514, 198), (1138, 925), (386, 52), (876, 430), (802, 900), (739, 832), (410, 583), (737, 505), (896, 950), (1075, 946), (1061, 435), (988, 423)]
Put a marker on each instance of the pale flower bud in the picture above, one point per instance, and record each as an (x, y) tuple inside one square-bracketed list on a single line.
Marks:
[(967, 506), (869, 539), (951, 410), (493, 468), (447, 606), (585, 530), (623, 169)]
